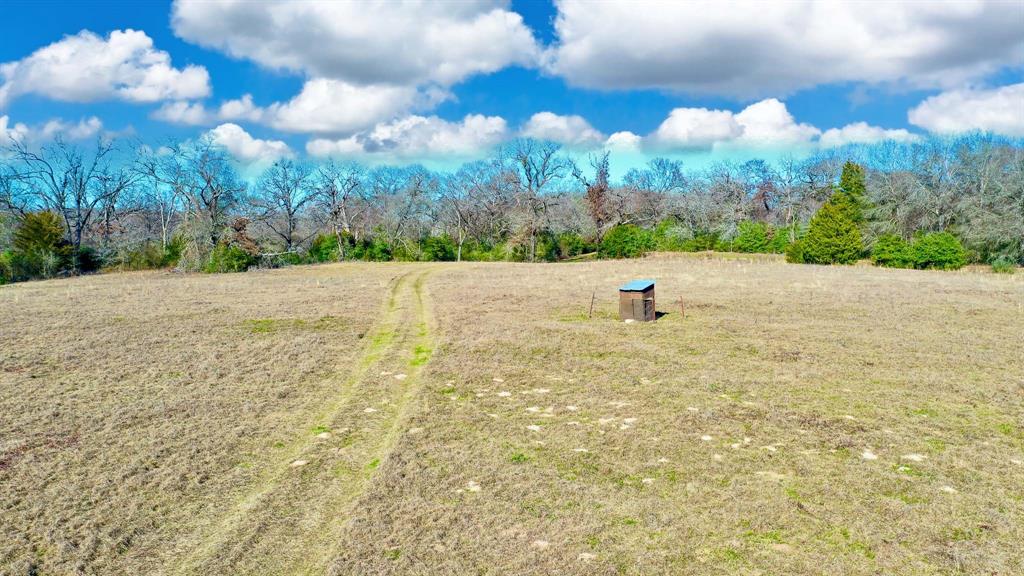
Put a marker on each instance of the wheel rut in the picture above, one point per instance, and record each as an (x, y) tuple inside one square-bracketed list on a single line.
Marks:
[(289, 521)]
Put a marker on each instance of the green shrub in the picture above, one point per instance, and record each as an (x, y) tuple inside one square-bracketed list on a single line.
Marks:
[(795, 252), (6, 272), (752, 237), (438, 249), (228, 258), (851, 195), (703, 241), (671, 236), (626, 241), (324, 248), (780, 238), (833, 236), (1003, 265), (939, 250), (892, 251), (571, 244)]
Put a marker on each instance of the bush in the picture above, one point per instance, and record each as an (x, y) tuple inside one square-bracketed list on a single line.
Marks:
[(438, 249), (40, 250), (571, 244), (892, 251), (228, 258), (939, 250), (324, 248), (1003, 265), (780, 238), (752, 237), (795, 252), (626, 241), (671, 236), (833, 237)]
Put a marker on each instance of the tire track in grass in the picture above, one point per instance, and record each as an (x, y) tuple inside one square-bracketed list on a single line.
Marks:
[(288, 523)]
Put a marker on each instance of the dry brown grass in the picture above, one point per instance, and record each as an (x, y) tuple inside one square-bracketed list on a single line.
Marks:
[(147, 424)]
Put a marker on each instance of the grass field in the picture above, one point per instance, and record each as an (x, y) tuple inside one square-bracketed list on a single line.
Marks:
[(477, 419)]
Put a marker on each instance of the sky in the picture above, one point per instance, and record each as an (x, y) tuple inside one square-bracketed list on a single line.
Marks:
[(442, 83)]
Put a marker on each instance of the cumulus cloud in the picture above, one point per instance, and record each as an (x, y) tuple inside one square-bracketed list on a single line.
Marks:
[(764, 124), (402, 43), (862, 133), (244, 147), (338, 107), (997, 110), (570, 130), (750, 48), (624, 141), (11, 132), (86, 67), (419, 136)]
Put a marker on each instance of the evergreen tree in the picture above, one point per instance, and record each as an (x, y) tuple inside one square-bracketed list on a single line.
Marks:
[(852, 192), (833, 237)]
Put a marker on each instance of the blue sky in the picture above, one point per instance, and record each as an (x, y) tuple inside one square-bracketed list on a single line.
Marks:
[(454, 80)]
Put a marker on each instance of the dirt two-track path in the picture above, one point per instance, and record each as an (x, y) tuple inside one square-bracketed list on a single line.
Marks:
[(289, 521)]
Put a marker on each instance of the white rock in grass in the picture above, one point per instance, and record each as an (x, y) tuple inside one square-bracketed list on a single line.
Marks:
[(581, 450), (706, 438), (472, 486), (586, 556), (1017, 462), (948, 489), (400, 376), (868, 455), (504, 394), (914, 457), (540, 544), (415, 430), (323, 435), (533, 409), (370, 410), (693, 409), (298, 463), (571, 408), (629, 420), (572, 423), (533, 428), (717, 457), (541, 390), (498, 380), (735, 446), (663, 460), (648, 480)]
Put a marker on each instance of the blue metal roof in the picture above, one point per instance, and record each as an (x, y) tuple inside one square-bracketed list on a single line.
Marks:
[(637, 285)]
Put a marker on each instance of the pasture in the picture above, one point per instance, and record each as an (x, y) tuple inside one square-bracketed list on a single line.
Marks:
[(476, 418)]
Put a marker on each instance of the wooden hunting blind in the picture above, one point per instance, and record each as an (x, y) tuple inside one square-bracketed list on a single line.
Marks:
[(636, 301)]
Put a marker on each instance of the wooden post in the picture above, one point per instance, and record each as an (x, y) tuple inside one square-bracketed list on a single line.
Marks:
[(682, 307), (592, 296)]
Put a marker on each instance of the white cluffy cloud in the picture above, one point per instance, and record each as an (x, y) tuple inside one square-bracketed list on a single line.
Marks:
[(245, 148), (763, 124), (418, 136), (998, 110), (862, 133), (11, 132), (570, 130), (364, 43), (365, 63), (749, 48), (86, 67)]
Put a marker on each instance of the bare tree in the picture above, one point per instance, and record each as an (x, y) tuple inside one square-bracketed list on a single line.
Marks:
[(283, 191), (535, 167), (340, 194), (64, 179), (596, 192)]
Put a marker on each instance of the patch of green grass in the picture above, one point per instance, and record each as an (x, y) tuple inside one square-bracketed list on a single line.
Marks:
[(393, 554), (763, 537), (373, 464), (935, 444), (319, 429), (519, 458), (728, 555)]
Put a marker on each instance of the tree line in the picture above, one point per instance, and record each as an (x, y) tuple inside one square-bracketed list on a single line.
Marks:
[(68, 208)]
